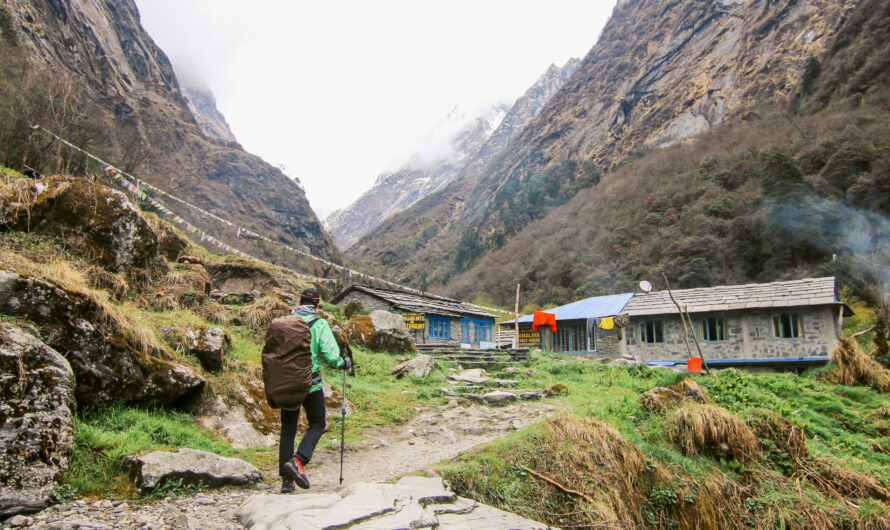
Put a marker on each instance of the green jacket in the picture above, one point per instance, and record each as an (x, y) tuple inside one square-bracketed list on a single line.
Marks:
[(322, 344)]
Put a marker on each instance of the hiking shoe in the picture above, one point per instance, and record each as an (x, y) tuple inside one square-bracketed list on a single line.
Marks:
[(293, 469), (287, 486)]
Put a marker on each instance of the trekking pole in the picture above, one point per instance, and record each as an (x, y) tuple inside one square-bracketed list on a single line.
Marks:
[(342, 426)]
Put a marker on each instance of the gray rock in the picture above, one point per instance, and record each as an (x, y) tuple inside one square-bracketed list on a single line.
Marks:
[(414, 502), (447, 391), (37, 431), (334, 444), (527, 396), (209, 344), (381, 331), (192, 467), (108, 367), (233, 423), (20, 520), (471, 376), (441, 435), (499, 397), (420, 366)]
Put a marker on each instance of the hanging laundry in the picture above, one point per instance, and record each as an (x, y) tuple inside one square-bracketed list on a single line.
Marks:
[(544, 319), (608, 323)]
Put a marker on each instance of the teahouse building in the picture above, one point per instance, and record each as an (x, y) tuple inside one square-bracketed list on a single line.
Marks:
[(778, 325), (788, 324), (582, 327), (430, 319)]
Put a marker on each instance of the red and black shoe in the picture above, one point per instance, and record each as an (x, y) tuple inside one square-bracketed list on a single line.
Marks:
[(293, 469), (287, 486)]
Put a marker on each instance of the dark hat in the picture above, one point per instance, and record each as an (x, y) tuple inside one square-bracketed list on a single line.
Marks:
[(310, 295)]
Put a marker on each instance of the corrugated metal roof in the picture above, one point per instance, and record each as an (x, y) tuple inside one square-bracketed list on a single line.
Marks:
[(797, 293), (415, 303), (596, 307)]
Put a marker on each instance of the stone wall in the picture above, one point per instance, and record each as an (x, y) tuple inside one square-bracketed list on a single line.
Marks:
[(749, 336), (371, 303)]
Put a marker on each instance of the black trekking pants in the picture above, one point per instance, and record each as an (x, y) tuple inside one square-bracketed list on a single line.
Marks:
[(315, 415)]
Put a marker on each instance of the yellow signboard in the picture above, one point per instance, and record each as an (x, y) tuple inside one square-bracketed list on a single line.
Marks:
[(414, 320), (529, 338)]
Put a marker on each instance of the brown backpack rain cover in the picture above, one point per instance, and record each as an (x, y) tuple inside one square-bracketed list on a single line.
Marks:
[(287, 363)]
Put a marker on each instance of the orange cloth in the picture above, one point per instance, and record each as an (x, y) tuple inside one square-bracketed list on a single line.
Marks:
[(543, 319)]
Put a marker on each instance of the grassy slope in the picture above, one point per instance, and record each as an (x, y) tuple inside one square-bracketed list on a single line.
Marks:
[(842, 424)]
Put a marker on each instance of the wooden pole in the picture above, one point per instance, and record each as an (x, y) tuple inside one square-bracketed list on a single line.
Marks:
[(683, 317), (516, 322)]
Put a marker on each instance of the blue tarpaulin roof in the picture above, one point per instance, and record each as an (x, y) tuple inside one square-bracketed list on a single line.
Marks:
[(596, 307)]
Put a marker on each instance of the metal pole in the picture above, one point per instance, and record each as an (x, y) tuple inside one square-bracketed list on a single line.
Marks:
[(342, 426)]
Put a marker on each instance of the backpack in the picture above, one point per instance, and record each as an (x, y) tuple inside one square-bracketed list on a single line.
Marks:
[(287, 362)]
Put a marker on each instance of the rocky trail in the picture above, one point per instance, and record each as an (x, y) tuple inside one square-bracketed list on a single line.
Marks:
[(437, 434)]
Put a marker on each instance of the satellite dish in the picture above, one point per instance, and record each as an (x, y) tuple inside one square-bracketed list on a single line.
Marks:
[(645, 286)]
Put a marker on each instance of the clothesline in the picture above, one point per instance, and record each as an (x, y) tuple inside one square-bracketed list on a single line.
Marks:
[(137, 187)]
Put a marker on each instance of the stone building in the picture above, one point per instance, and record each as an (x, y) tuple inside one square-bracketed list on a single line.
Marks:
[(787, 324), (780, 325), (430, 319), (578, 328)]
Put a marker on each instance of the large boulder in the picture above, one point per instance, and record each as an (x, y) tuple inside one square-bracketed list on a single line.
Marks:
[(209, 344), (241, 276), (88, 214), (111, 363), (381, 331), (420, 366), (191, 467), (36, 421)]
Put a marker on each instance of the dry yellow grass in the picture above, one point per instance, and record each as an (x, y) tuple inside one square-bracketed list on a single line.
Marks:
[(842, 482), (74, 281), (260, 314), (706, 429), (786, 436), (660, 399), (692, 391), (855, 368)]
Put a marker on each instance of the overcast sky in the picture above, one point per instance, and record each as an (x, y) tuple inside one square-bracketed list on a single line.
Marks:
[(340, 91)]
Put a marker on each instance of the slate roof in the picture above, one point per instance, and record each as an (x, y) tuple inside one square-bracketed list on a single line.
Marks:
[(596, 307), (418, 303), (797, 293)]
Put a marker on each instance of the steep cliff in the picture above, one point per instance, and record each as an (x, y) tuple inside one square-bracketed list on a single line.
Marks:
[(661, 73), (473, 148), (132, 91), (212, 122)]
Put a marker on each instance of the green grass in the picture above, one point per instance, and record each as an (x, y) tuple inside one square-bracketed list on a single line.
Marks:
[(104, 438), (842, 424)]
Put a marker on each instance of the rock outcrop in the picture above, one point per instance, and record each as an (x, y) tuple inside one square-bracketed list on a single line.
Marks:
[(413, 502), (381, 331), (36, 421), (191, 467), (99, 220), (420, 366), (109, 361), (209, 344)]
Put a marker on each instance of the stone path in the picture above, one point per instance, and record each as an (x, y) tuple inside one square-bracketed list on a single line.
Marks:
[(437, 434)]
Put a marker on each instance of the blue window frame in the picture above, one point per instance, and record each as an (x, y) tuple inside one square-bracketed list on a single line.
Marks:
[(475, 331), (440, 327), (787, 326), (712, 329), (652, 332)]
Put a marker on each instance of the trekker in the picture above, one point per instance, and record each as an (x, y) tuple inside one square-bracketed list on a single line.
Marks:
[(322, 345)]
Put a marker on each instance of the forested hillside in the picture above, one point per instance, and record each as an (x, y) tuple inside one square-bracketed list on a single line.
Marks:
[(771, 194)]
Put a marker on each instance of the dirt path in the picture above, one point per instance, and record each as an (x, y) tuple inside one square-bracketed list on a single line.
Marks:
[(437, 434)]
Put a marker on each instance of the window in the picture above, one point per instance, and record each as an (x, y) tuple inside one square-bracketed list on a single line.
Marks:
[(571, 338), (651, 331), (787, 326), (713, 329), (440, 327), (475, 331)]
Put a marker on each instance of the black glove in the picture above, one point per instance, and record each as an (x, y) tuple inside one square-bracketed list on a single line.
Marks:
[(347, 364)]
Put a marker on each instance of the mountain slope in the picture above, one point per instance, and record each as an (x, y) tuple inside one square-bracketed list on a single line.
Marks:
[(132, 96), (397, 191), (662, 72)]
